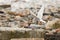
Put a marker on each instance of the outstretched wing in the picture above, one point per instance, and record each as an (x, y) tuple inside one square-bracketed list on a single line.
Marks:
[(40, 13)]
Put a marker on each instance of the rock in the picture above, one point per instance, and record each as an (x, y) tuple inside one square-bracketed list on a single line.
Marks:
[(47, 11), (13, 24), (0, 24), (5, 6), (10, 20), (23, 24), (50, 24), (47, 17), (58, 30), (17, 17), (36, 26), (57, 15), (53, 9)]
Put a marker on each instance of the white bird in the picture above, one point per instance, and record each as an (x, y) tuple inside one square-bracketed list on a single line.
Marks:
[(40, 13)]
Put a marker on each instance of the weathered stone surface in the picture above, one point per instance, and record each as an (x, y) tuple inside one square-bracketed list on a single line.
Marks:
[(57, 15), (50, 24)]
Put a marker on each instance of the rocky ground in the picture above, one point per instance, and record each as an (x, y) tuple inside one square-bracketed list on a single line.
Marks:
[(24, 19)]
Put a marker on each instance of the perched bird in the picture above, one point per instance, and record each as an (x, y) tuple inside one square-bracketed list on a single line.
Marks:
[(40, 14)]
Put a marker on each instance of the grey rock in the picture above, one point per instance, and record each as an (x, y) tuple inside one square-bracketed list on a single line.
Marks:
[(57, 15), (37, 26)]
